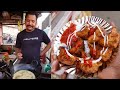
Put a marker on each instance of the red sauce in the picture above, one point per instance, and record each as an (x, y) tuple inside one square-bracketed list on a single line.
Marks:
[(79, 43), (74, 39), (92, 30), (66, 33), (66, 55), (88, 62)]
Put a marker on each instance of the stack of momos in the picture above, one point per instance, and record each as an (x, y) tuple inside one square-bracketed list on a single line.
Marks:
[(101, 46)]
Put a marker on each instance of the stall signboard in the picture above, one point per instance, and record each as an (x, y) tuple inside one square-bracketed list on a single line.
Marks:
[(11, 18)]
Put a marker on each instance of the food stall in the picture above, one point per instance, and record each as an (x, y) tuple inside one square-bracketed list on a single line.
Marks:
[(11, 24)]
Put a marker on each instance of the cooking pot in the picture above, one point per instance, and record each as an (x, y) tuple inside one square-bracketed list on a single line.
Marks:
[(24, 74), (34, 67), (5, 71)]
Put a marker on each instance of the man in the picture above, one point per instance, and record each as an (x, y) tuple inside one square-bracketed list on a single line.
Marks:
[(29, 41)]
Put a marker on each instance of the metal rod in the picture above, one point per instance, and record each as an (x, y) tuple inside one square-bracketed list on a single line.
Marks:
[(15, 61)]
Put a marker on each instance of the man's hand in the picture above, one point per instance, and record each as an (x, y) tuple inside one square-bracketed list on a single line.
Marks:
[(112, 71), (108, 73), (55, 66), (19, 56), (42, 58), (59, 70), (42, 54), (18, 53)]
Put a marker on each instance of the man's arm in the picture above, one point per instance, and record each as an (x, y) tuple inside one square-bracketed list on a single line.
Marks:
[(18, 53), (45, 49), (17, 50)]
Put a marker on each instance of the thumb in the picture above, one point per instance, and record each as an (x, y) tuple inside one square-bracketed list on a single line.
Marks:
[(55, 66), (19, 54)]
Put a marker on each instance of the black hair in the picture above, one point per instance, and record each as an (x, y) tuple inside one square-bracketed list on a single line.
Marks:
[(31, 13)]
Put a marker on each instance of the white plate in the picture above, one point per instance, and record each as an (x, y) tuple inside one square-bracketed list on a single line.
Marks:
[(79, 24)]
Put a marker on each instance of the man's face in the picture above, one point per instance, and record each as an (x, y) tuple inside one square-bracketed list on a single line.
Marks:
[(30, 22)]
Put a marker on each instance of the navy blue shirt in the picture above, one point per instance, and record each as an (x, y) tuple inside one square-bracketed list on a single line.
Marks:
[(30, 43)]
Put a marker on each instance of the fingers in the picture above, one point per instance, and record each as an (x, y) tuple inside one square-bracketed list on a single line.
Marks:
[(19, 56), (43, 59), (55, 66), (108, 73)]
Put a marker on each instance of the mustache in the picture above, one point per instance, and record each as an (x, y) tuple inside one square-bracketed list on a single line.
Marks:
[(29, 26)]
